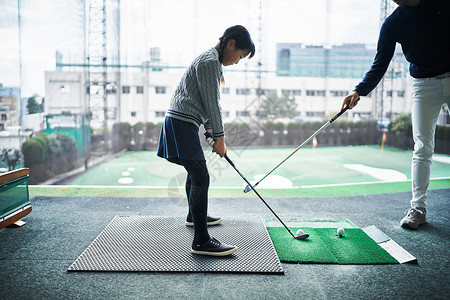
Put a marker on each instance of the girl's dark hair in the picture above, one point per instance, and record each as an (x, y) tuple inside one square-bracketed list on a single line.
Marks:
[(242, 37)]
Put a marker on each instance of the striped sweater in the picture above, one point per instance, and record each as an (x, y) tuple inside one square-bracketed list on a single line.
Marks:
[(196, 98)]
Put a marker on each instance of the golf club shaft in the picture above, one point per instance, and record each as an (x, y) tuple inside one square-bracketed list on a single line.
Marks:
[(257, 194), (249, 186)]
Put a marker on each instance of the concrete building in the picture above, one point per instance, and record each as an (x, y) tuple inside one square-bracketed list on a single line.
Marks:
[(317, 77), (337, 61), (9, 107), (13, 122), (145, 96), (349, 63)]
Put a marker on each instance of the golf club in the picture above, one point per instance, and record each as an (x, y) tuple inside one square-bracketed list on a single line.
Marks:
[(210, 141), (249, 186)]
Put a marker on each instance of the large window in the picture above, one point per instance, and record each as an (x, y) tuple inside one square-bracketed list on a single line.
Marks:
[(160, 89), (292, 92), (315, 93), (241, 91), (65, 89), (339, 93), (243, 113)]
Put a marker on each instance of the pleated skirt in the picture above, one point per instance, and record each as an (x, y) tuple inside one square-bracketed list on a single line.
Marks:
[(179, 140)]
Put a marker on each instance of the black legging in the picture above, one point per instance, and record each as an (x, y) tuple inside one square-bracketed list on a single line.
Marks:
[(197, 184)]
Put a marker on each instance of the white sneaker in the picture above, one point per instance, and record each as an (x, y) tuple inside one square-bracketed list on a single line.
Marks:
[(414, 217)]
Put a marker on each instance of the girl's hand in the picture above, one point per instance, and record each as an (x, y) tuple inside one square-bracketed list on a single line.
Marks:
[(219, 147)]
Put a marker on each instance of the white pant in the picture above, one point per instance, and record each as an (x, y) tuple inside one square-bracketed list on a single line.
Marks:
[(428, 96)]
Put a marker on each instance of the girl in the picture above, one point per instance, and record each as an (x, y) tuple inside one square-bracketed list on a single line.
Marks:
[(194, 103)]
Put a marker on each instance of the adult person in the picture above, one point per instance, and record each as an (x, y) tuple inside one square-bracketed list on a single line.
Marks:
[(422, 28)]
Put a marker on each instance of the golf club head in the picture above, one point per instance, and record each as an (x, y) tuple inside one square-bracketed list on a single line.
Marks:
[(302, 236), (247, 189)]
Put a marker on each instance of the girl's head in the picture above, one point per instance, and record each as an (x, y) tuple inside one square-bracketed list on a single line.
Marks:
[(235, 44)]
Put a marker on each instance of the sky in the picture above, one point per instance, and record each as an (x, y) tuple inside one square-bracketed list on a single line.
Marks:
[(182, 29)]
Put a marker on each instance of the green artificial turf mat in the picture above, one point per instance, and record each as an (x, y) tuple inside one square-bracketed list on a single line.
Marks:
[(324, 246), (319, 223)]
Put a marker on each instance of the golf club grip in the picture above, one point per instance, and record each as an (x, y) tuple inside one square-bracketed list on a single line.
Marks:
[(338, 114), (341, 112)]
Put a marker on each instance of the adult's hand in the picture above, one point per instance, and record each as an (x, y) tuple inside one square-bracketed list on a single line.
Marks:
[(351, 100)]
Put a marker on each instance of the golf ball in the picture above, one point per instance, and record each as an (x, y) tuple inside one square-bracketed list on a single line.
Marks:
[(340, 232), (300, 232)]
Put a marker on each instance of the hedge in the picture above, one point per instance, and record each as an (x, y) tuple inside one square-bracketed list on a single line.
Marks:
[(48, 155), (339, 133)]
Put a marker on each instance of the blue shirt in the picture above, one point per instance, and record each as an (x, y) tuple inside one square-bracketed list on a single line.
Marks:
[(423, 31)]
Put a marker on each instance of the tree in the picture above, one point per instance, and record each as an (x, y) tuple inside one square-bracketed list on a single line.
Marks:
[(402, 124), (62, 150), (10, 159), (273, 107), (35, 151), (401, 131), (33, 106)]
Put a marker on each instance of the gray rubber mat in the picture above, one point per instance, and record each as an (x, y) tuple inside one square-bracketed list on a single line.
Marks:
[(163, 244)]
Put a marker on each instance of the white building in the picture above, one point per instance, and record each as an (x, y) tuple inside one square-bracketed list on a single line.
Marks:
[(319, 78), (145, 96)]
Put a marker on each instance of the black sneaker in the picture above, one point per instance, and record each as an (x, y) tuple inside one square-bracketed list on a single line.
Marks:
[(210, 221), (213, 247)]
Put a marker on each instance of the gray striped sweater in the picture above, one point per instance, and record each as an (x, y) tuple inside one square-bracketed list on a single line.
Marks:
[(196, 98)]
